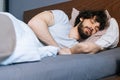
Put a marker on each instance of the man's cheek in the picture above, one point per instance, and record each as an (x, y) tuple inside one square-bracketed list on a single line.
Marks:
[(94, 31), (85, 31)]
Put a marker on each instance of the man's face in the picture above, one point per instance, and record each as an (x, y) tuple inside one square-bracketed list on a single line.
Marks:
[(88, 27)]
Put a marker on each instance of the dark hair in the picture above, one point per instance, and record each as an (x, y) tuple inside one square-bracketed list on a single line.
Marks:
[(101, 17)]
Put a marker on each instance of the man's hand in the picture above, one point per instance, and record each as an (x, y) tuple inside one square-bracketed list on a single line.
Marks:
[(65, 51)]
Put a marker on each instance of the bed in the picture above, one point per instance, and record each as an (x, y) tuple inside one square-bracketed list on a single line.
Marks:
[(70, 67)]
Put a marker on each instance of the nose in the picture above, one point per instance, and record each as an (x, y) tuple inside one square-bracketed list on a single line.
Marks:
[(91, 28)]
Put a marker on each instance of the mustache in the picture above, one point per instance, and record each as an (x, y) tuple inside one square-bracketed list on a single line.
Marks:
[(90, 29)]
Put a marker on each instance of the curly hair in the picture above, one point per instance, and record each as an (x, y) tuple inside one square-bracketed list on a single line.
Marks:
[(101, 17)]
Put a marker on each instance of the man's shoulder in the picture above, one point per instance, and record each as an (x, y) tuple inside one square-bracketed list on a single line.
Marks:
[(58, 11)]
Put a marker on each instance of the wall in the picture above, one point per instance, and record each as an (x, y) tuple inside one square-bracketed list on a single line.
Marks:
[(17, 7), (2, 5)]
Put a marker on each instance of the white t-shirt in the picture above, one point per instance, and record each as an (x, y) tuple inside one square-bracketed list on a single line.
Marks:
[(61, 29)]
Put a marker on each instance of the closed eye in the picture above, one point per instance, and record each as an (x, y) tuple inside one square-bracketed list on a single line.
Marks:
[(97, 28), (92, 21)]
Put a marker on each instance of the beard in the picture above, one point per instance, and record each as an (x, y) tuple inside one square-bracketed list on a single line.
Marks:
[(81, 32)]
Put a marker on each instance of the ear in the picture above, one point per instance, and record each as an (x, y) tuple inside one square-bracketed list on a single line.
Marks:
[(81, 19)]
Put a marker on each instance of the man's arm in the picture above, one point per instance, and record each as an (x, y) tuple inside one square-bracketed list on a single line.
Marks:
[(40, 23), (83, 47)]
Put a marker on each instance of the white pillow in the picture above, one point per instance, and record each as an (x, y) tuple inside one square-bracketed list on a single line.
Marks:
[(74, 14), (111, 37)]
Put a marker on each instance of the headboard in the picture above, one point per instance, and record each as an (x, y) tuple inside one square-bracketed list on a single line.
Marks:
[(113, 7)]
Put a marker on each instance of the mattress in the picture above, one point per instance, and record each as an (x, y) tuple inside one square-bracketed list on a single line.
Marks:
[(66, 67)]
